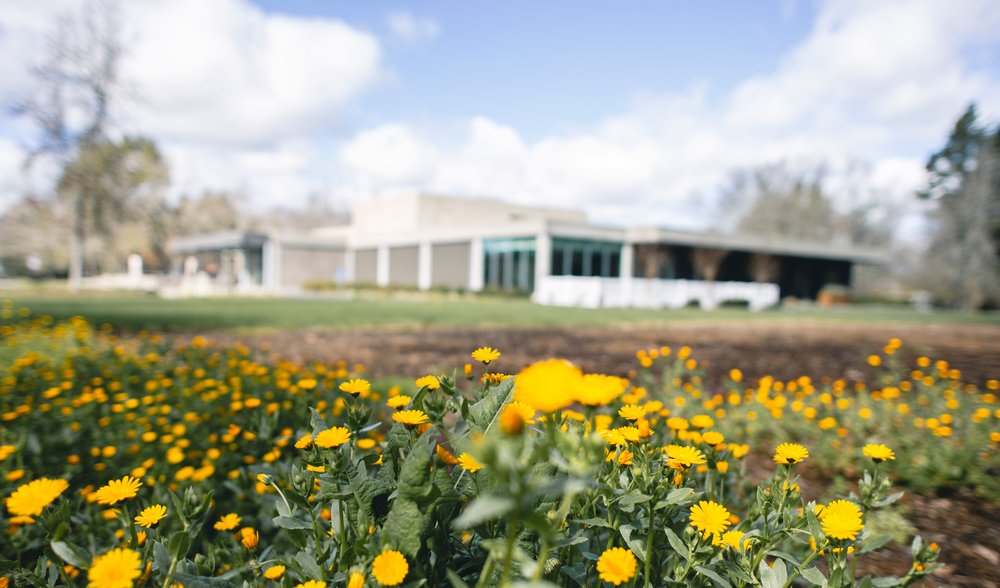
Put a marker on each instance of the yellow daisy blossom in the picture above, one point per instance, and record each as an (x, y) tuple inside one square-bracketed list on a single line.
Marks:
[(390, 568), (616, 566)]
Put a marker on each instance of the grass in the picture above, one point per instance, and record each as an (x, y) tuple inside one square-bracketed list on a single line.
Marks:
[(135, 312)]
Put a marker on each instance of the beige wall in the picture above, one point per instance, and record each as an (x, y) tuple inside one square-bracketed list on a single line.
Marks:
[(450, 267), (299, 265), (365, 263), (403, 266)]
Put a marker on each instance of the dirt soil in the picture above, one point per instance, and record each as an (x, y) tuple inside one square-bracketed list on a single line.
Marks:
[(967, 528)]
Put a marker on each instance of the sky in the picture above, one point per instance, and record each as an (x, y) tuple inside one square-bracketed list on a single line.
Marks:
[(635, 111)]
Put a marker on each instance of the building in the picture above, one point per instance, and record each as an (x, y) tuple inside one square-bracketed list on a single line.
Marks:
[(426, 241)]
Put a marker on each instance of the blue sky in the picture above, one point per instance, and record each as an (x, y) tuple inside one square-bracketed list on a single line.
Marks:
[(635, 111), (548, 67)]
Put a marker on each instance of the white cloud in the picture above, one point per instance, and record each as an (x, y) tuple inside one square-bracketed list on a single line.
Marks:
[(411, 28), (880, 82), (237, 98), (249, 100), (239, 76)]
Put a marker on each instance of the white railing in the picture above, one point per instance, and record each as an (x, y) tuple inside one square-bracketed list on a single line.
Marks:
[(651, 293)]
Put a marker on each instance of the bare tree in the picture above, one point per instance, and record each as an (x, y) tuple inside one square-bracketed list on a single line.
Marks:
[(708, 261), (75, 87), (764, 267)]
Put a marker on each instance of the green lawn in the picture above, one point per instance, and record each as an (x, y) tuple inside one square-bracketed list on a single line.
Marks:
[(133, 312)]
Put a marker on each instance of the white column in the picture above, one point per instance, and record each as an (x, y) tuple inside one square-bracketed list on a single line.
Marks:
[(424, 265), (543, 259), (625, 266), (382, 265), (476, 264), (267, 274), (350, 265)]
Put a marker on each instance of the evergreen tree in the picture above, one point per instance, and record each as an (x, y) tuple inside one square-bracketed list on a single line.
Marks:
[(962, 266)]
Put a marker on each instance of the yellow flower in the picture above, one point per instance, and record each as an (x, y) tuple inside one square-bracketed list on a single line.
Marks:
[(398, 401), (878, 452), (249, 538), (712, 437), (445, 455), (311, 584), (678, 424), (274, 572), (548, 385), (356, 580), (469, 463), (333, 437), (151, 515), (790, 453), (304, 442), (410, 417), (495, 378), (429, 382), (732, 539), (355, 386), (616, 566), (709, 517), (599, 389), (485, 354), (117, 568), (29, 499), (390, 568), (116, 491), (841, 519), (702, 421), (515, 417), (632, 412), (680, 457), (228, 522)]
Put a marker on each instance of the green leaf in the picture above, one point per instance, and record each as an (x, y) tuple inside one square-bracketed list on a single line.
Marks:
[(634, 543), (596, 522), (71, 554), (713, 576), (634, 497), (189, 581), (178, 545), (814, 575), (888, 500), (676, 496), (161, 557), (486, 507), (679, 546), (485, 411), (873, 543), (291, 523), (316, 421), (780, 572), (885, 581), (403, 526), (308, 564), (455, 579), (414, 475), (768, 579)]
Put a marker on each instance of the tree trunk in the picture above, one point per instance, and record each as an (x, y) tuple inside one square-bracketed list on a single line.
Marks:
[(77, 245)]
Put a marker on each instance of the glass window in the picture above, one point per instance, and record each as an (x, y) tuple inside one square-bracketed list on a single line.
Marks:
[(557, 268)]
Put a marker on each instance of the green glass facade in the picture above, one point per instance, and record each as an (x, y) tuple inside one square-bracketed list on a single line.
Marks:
[(581, 257), (509, 264)]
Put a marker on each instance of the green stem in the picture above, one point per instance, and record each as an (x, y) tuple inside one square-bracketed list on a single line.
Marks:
[(508, 556), (649, 546), (799, 568)]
